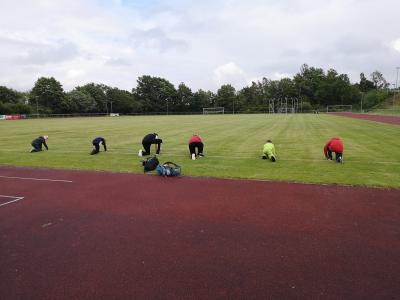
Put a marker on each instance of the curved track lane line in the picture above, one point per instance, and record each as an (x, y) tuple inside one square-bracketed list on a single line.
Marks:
[(37, 179)]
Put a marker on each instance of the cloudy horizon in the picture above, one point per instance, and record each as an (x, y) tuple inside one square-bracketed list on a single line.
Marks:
[(203, 44)]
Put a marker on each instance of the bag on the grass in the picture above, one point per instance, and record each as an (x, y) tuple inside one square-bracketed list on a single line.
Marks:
[(150, 164), (169, 169)]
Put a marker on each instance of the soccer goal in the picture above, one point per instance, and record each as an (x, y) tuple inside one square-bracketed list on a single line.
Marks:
[(213, 110), (339, 108)]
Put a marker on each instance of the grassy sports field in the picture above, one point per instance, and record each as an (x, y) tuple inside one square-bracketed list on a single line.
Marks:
[(233, 146)]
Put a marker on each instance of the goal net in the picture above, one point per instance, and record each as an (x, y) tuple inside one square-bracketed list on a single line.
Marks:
[(213, 110), (339, 108)]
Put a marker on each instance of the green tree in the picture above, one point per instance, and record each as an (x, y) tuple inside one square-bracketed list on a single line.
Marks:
[(184, 99), (307, 82), (5, 108), (374, 98), (99, 93), (202, 99), (365, 85), (378, 80), (122, 101), (154, 93), (226, 97), (77, 101), (285, 88), (253, 98), (337, 89), (21, 108), (48, 93), (10, 96), (14, 108)]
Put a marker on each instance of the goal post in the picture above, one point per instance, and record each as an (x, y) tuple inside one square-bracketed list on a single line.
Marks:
[(339, 108), (213, 110)]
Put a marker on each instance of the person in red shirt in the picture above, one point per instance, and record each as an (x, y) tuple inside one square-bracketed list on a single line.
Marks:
[(334, 145), (196, 142)]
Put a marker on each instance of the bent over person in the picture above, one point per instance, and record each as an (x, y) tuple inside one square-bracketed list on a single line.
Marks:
[(195, 143), (148, 140), (334, 145), (38, 142), (269, 151), (96, 143)]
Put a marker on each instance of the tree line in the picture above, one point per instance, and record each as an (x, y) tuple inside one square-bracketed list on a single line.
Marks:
[(314, 87)]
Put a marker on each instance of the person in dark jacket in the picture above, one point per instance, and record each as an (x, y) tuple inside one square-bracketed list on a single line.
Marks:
[(195, 142), (148, 140), (334, 145), (96, 143), (38, 142)]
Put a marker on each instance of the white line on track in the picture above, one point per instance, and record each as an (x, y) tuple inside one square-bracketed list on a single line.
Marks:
[(13, 197), (38, 179)]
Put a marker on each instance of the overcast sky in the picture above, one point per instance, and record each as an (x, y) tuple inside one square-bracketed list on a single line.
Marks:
[(203, 43)]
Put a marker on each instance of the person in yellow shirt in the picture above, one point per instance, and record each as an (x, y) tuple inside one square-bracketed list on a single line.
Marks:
[(269, 151)]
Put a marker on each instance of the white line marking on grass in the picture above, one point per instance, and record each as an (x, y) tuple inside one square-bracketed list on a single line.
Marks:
[(38, 179), (13, 197)]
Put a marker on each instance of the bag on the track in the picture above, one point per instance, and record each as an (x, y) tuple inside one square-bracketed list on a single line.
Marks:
[(169, 169), (150, 164)]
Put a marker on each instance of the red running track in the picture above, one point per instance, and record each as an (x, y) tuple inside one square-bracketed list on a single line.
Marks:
[(127, 236), (376, 118)]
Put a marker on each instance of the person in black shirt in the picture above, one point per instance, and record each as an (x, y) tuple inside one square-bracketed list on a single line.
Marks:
[(147, 141), (38, 142), (96, 143)]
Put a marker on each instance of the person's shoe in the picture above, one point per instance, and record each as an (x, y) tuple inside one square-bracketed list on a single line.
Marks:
[(140, 152), (264, 157), (193, 156), (201, 154), (273, 159)]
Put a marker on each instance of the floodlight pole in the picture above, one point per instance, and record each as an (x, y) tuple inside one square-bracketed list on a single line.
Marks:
[(397, 87)]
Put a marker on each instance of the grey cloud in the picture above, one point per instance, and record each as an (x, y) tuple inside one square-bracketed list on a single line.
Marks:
[(351, 45), (118, 62), (263, 37), (27, 52), (156, 39), (45, 54), (17, 42)]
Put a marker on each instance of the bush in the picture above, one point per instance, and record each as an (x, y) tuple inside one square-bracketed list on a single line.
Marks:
[(14, 108), (374, 98), (5, 108)]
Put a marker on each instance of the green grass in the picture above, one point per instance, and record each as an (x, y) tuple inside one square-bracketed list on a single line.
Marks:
[(233, 146), (389, 107)]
